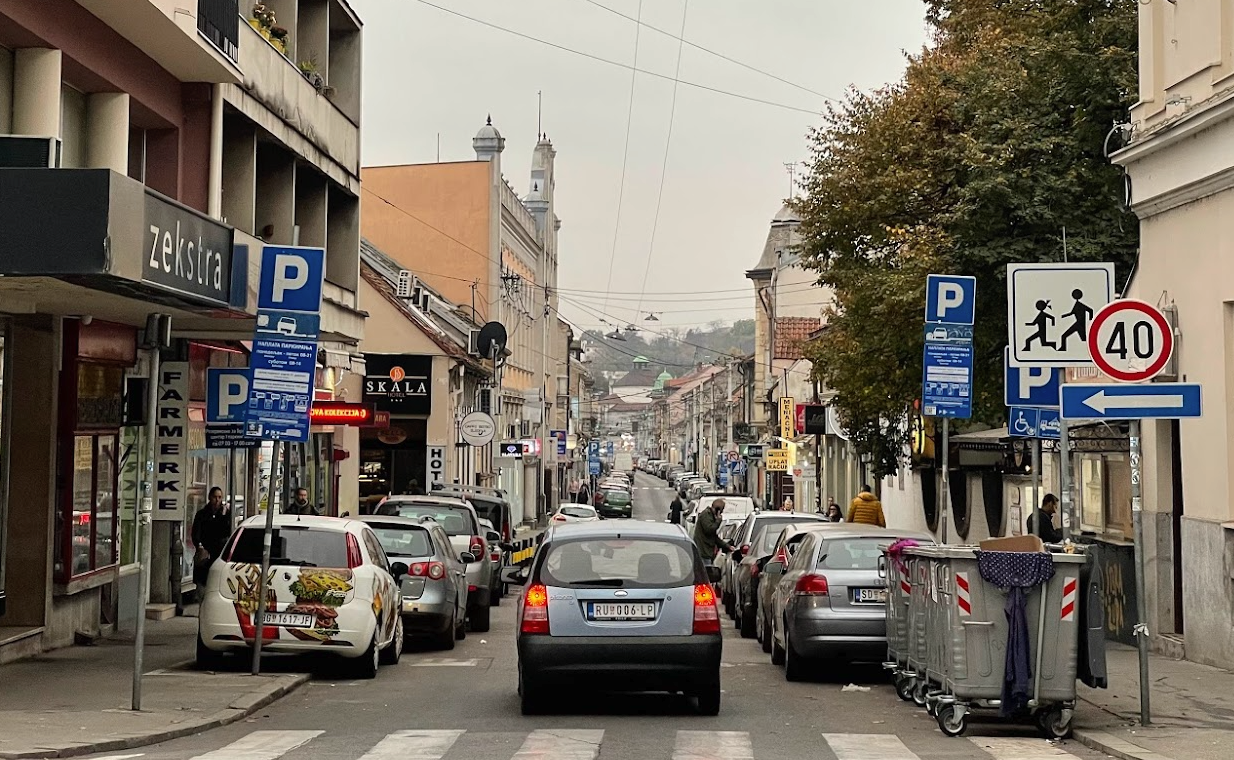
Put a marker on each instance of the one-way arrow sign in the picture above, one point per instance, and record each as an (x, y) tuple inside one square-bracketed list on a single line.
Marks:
[(1168, 401)]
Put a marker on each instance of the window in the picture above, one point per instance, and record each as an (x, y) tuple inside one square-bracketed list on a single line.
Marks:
[(852, 554), (309, 547), (377, 554), (619, 563), (88, 541), (1105, 494), (457, 520), (402, 540)]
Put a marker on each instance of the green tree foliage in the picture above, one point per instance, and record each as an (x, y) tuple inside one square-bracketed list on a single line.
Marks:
[(990, 146)]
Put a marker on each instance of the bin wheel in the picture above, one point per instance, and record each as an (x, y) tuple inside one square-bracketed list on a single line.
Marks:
[(1051, 724), (951, 721), (904, 688), (919, 692), (932, 708)]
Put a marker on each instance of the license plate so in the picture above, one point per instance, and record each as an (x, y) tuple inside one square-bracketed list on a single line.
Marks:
[(289, 619), (621, 611), (869, 596)]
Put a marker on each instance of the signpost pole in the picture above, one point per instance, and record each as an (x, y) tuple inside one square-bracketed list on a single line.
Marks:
[(145, 513), (1141, 628), (1064, 476), (259, 616), (1036, 474), (944, 498)]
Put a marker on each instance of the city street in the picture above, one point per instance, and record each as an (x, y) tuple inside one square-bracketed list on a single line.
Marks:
[(463, 705)]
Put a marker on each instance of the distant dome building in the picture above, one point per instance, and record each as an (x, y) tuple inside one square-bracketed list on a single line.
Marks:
[(661, 379)]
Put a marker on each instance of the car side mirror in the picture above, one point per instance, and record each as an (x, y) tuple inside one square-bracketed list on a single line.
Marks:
[(493, 537), (774, 568), (505, 546), (515, 575), (467, 557), (398, 570)]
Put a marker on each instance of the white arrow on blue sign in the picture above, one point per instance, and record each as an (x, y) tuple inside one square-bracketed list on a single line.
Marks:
[(1162, 401), (951, 299), (1031, 386)]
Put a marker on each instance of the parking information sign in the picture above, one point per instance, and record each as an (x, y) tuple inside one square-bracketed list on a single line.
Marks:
[(284, 358), (947, 386)]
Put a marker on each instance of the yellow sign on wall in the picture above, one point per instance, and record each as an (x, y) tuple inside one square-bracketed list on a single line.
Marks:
[(788, 417), (777, 460)]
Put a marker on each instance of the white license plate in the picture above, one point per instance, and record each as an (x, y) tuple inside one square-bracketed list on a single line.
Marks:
[(289, 619), (621, 611), (869, 595)]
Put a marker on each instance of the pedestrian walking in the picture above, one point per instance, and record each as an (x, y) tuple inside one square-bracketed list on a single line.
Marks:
[(834, 514), (707, 532), (211, 529), (676, 508), (584, 494), (301, 506), (867, 509), (575, 484), (1040, 522)]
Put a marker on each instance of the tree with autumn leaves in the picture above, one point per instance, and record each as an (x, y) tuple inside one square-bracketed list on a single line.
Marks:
[(990, 146)]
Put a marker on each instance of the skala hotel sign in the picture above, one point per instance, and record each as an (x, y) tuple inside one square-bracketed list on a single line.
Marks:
[(399, 383)]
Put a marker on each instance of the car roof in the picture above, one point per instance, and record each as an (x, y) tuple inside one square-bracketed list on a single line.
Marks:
[(338, 524), (855, 530), (409, 522), (449, 501), (611, 528)]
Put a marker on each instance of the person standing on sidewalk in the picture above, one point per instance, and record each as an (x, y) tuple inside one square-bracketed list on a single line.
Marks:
[(1041, 522), (867, 509), (301, 506), (211, 529), (677, 506)]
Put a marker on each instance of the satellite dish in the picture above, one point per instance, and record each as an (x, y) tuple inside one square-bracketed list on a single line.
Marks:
[(492, 340)]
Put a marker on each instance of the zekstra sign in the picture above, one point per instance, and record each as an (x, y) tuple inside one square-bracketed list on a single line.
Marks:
[(399, 383), (186, 252)]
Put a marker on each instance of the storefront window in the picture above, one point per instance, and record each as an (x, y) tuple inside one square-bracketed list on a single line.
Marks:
[(4, 450), (92, 517), (1105, 494)]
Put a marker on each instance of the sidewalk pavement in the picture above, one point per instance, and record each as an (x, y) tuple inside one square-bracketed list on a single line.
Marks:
[(75, 701), (1192, 710)]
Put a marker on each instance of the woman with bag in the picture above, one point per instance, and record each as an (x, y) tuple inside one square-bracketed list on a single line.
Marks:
[(211, 529)]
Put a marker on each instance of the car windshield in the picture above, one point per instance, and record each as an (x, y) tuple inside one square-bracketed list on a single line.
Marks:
[(852, 553), (767, 536), (403, 540), (619, 563), (456, 520), (307, 547), (576, 511)]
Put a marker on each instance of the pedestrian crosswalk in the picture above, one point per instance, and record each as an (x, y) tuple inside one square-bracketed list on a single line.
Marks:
[(586, 744)]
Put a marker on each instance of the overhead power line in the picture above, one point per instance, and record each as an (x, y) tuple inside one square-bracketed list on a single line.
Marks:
[(681, 38), (625, 156), (610, 62)]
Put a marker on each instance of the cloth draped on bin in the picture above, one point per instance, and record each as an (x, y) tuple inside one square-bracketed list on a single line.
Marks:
[(896, 552), (1016, 572)]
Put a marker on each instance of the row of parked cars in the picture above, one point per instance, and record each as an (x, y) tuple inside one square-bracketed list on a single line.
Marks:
[(679, 477), (422, 566)]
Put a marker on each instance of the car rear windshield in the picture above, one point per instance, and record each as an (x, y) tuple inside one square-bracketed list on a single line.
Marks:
[(493, 511), (403, 540), (307, 547), (767, 535), (619, 563), (457, 520), (577, 512), (852, 553)]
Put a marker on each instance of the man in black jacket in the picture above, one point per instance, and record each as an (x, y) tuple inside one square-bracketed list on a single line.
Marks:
[(211, 529), (676, 508), (1041, 522)]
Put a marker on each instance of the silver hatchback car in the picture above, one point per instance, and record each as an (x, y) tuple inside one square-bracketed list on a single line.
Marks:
[(618, 607), (431, 574)]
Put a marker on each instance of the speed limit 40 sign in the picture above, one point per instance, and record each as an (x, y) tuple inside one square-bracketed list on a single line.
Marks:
[(1130, 340)]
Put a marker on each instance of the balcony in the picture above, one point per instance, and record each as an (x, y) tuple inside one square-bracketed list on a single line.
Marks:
[(193, 47)]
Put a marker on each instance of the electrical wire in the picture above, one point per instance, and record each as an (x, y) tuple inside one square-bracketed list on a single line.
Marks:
[(668, 145), (709, 51), (432, 227), (625, 155), (619, 64)]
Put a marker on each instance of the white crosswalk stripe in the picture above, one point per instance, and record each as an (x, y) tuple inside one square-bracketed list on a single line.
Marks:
[(561, 744), (1009, 748), (413, 745), (262, 745), (713, 745), (869, 747)]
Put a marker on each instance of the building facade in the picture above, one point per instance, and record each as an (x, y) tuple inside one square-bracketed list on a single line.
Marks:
[(149, 157)]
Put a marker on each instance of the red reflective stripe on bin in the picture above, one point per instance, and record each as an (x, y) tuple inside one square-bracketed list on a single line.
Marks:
[(963, 599), (906, 588), (1070, 585)]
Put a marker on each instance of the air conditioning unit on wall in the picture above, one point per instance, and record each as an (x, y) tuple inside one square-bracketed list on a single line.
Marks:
[(26, 152)]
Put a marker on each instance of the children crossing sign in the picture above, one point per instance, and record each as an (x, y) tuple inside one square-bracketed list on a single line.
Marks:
[(1050, 308)]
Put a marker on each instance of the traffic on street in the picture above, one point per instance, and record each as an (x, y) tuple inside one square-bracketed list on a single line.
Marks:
[(456, 700)]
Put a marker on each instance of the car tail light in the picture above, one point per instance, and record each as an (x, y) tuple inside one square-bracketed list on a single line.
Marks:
[(495, 556), (559, 518), (472, 589), (535, 610), (781, 556), (811, 585), (754, 571), (354, 558), (505, 532), (432, 570), (745, 549), (477, 546), (706, 615)]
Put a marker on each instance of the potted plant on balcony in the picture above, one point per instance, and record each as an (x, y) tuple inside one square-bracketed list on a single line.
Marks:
[(262, 19), (312, 72), (279, 37)]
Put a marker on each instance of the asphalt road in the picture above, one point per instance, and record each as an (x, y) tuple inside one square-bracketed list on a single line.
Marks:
[(462, 705)]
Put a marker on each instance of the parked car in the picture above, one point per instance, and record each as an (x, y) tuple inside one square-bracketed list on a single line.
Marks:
[(734, 507), (329, 591), (772, 567), (575, 513), (496, 554), (431, 575), (755, 540), (461, 523), (624, 607), (831, 600)]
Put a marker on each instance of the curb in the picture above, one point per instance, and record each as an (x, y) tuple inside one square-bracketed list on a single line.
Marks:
[(1116, 747), (240, 708)]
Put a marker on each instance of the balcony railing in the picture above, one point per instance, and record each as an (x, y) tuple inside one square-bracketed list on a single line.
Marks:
[(219, 22)]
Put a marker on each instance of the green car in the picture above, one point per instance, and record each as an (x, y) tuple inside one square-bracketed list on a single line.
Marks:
[(615, 503)]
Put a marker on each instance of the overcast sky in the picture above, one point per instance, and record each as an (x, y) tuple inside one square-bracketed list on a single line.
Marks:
[(428, 72)]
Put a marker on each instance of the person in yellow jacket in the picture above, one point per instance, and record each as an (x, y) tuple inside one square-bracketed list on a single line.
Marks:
[(867, 509)]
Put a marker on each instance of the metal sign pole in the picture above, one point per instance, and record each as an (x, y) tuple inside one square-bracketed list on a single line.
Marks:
[(145, 515), (944, 499), (259, 617), (1064, 477), (1141, 628), (1037, 474)]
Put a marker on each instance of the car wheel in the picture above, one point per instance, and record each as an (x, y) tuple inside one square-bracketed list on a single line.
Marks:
[(767, 638), (709, 700), (747, 624), (495, 595), (794, 667), (460, 628), (479, 619), (208, 659), (366, 666), (446, 639), (394, 650)]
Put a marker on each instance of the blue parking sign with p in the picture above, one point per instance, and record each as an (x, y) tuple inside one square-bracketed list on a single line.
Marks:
[(227, 394), (1031, 386), (951, 299), (291, 278)]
